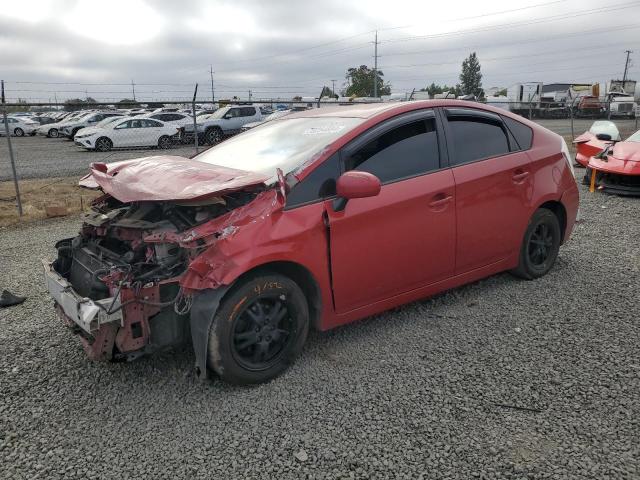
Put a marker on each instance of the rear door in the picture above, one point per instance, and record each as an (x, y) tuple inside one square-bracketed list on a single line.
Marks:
[(403, 238), (493, 187)]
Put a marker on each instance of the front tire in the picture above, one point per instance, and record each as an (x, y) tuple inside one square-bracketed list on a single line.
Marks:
[(18, 132), (540, 245), (259, 330), (164, 142), (53, 133), (103, 144), (213, 136)]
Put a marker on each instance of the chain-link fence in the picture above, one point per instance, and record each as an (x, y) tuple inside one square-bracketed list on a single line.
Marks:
[(52, 149)]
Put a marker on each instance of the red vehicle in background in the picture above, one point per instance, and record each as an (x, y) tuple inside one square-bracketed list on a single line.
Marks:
[(310, 221), (617, 163)]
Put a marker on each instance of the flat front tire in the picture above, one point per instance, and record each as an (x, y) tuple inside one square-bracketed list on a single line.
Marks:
[(259, 329), (540, 245)]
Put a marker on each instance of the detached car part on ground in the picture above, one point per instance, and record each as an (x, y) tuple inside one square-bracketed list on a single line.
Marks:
[(617, 163), (310, 221)]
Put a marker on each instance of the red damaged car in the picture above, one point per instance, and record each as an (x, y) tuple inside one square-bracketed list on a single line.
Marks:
[(617, 163), (311, 221)]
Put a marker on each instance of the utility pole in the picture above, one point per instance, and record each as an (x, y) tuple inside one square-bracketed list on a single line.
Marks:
[(249, 95), (213, 97), (375, 67), (133, 90), (333, 88), (626, 68)]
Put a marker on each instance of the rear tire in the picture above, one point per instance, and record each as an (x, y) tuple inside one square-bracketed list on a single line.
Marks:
[(103, 144), (165, 142), (259, 330), (540, 245), (18, 132)]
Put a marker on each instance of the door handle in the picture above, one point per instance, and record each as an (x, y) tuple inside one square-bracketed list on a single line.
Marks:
[(519, 176), (440, 200)]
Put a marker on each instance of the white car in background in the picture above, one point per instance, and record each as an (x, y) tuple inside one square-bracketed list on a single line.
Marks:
[(176, 118), (71, 128), (19, 126), (52, 130), (99, 125), (128, 133)]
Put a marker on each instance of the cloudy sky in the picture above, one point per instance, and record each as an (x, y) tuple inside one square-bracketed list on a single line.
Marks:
[(72, 48)]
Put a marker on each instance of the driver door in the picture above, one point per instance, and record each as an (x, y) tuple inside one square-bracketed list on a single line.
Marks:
[(403, 238)]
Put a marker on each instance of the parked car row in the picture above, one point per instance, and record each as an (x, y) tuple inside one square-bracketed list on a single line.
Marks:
[(18, 126), (103, 130)]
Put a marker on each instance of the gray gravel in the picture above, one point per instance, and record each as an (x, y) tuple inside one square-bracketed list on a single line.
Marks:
[(411, 393)]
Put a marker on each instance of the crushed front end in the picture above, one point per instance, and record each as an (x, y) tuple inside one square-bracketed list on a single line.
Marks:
[(118, 283)]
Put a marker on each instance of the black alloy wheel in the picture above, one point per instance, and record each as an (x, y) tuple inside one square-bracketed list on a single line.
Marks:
[(261, 333), (213, 136), (103, 144), (164, 142), (258, 330), (540, 245)]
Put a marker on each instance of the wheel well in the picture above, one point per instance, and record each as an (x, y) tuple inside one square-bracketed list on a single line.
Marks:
[(303, 278), (559, 211)]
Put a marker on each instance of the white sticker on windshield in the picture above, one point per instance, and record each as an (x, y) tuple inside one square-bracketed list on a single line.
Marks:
[(323, 130)]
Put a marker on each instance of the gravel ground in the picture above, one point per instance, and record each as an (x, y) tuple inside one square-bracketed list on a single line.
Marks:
[(41, 157), (412, 393)]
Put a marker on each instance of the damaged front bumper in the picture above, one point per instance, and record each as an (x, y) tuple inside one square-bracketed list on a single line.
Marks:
[(87, 314)]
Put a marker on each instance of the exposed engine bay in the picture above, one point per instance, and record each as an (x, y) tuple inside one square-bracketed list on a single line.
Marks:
[(128, 261)]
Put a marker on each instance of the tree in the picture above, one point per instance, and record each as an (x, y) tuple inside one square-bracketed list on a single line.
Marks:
[(501, 93), (77, 103), (434, 90), (470, 77), (327, 92), (361, 82), (18, 108)]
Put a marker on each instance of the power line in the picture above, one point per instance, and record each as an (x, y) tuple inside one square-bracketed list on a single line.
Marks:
[(551, 18), (513, 57)]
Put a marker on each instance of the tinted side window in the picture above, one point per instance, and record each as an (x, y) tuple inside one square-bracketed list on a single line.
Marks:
[(319, 184), (247, 111), (151, 123), (405, 151), (475, 138), (522, 133)]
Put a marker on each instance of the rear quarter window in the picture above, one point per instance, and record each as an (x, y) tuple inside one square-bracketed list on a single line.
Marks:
[(522, 134)]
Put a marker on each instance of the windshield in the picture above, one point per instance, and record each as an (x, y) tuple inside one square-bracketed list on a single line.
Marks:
[(635, 137), (217, 114), (286, 144)]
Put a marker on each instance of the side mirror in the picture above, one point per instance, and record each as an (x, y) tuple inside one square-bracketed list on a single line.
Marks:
[(355, 184), (605, 137)]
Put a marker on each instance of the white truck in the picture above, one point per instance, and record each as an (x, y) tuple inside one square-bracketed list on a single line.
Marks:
[(621, 98), (222, 123)]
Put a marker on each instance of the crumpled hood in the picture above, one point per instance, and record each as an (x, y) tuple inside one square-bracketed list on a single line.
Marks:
[(166, 178)]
